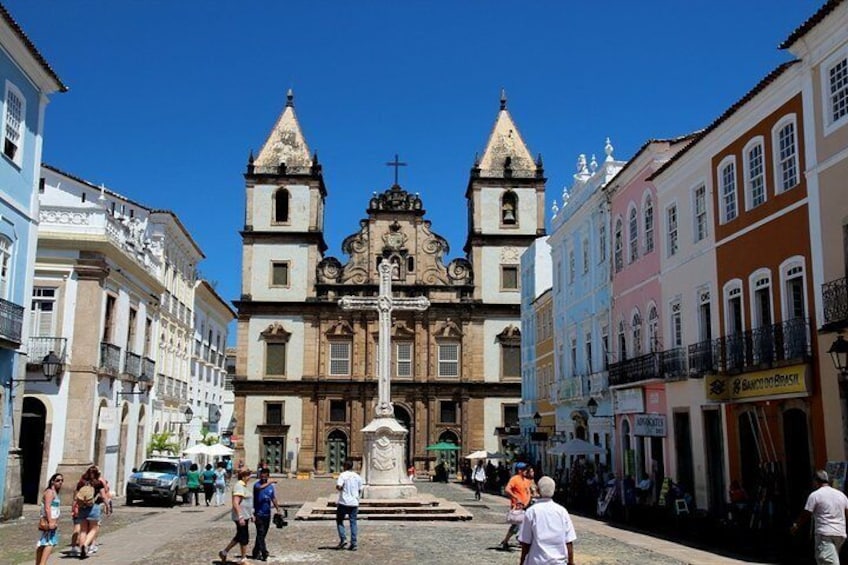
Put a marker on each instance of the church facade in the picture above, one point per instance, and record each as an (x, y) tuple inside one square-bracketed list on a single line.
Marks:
[(305, 382)]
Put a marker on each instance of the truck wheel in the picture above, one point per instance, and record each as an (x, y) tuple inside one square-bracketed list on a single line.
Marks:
[(172, 499)]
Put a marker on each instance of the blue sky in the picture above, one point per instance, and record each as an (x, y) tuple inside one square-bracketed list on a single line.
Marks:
[(167, 98)]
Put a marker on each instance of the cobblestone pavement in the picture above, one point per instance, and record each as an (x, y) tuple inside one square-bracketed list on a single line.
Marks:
[(193, 535)]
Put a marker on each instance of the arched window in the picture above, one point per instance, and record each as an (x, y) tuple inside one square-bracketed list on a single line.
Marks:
[(509, 208), (636, 327), (281, 206), (622, 342), (648, 214), (619, 246), (653, 327), (634, 235)]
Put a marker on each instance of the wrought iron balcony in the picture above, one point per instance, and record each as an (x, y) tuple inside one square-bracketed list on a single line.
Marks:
[(764, 347), (673, 363), (634, 370), (835, 302), (11, 321), (702, 358), (148, 367), (572, 388), (39, 347), (110, 358), (132, 364)]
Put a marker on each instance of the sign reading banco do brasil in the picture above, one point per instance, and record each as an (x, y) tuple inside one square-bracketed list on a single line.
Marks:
[(782, 382)]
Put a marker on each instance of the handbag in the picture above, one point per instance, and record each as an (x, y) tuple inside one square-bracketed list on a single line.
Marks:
[(515, 516), (44, 524)]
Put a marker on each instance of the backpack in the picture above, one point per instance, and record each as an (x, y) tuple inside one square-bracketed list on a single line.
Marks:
[(85, 496)]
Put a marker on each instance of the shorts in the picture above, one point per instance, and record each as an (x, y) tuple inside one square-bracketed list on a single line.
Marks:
[(91, 514), (242, 536), (49, 538)]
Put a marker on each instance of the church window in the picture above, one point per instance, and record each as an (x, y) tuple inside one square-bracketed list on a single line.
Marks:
[(338, 411), (619, 247), (403, 359), (281, 206), (275, 359), (634, 235), (510, 415), (509, 277), (280, 273), (13, 127), (274, 413), (509, 209), (448, 359), (410, 264), (510, 360), (339, 358), (447, 412)]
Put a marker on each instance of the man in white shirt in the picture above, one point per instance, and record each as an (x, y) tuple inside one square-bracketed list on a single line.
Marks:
[(349, 485), (829, 508), (547, 534), (479, 478)]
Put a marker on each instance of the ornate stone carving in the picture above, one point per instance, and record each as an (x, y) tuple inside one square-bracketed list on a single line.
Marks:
[(275, 332), (329, 270), (510, 255), (340, 327), (449, 329), (510, 335)]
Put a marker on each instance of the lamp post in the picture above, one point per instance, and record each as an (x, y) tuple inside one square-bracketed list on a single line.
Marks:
[(839, 355), (144, 383), (592, 407)]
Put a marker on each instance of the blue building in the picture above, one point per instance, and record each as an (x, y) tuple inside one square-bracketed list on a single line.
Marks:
[(580, 244), (26, 80)]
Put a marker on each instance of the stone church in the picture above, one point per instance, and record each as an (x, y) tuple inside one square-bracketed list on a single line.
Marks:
[(305, 380)]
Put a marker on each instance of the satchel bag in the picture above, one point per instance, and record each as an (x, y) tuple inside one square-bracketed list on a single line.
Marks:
[(515, 516), (44, 524)]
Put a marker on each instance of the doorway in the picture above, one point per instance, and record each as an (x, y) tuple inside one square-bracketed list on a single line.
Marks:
[(796, 442), (683, 447), (336, 451), (449, 458), (714, 445), (122, 447), (33, 428), (273, 452), (402, 416)]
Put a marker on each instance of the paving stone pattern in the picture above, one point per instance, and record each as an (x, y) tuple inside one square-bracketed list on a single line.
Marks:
[(193, 535)]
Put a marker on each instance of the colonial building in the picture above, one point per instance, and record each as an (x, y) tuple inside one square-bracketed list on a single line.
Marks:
[(26, 81), (305, 383)]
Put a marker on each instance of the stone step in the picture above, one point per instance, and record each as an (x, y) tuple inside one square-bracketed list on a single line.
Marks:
[(423, 508)]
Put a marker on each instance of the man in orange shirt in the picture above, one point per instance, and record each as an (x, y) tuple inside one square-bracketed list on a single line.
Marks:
[(518, 489)]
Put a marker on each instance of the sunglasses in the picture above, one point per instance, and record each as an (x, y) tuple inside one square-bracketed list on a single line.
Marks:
[(58, 480)]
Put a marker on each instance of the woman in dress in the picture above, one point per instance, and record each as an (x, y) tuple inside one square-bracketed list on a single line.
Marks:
[(220, 483), (50, 511)]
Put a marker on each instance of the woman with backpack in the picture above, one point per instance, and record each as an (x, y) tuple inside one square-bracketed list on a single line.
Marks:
[(90, 497), (48, 523)]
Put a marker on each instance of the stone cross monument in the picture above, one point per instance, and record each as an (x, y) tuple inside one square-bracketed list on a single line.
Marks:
[(384, 468)]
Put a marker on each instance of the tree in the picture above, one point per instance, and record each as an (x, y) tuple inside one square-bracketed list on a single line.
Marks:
[(163, 444), (207, 438)]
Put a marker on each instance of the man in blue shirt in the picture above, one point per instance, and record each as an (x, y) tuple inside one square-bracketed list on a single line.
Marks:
[(264, 496)]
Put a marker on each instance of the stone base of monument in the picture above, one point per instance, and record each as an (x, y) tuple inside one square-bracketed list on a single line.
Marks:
[(424, 508)]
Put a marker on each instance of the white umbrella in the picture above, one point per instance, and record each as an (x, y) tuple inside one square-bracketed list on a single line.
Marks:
[(576, 447), (219, 450), (483, 455), (199, 449)]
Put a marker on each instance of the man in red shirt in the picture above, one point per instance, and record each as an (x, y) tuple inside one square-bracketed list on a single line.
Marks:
[(518, 489)]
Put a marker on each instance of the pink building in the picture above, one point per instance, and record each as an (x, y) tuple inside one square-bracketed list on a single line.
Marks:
[(641, 359)]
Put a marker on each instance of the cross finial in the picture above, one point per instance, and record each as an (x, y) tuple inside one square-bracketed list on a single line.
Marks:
[(290, 98), (396, 164), (503, 99)]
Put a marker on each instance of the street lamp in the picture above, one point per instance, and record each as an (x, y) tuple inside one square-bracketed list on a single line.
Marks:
[(592, 406), (51, 366), (839, 354), (189, 414), (144, 383), (537, 419)]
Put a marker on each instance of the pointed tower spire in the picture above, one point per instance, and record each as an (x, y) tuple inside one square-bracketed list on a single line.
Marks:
[(506, 151), (286, 144)]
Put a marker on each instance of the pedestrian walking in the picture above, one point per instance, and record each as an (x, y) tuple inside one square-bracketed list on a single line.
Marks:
[(264, 496), (479, 477), (829, 508), (547, 533), (241, 514), (349, 485), (91, 497), (221, 476), (48, 523), (193, 483), (518, 491), (207, 477)]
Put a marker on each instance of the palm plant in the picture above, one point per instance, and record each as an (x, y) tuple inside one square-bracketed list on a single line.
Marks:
[(163, 444)]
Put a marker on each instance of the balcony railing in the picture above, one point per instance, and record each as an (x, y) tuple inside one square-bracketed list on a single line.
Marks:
[(835, 302), (702, 358), (572, 388), (148, 367), (634, 370), (673, 363), (132, 364), (763, 347), (110, 358), (598, 383), (40, 347), (11, 321)]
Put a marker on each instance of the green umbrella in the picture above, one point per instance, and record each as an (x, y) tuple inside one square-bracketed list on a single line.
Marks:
[(443, 446)]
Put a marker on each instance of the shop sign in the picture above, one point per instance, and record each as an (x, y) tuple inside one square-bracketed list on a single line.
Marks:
[(107, 419), (652, 425), (628, 401), (782, 382)]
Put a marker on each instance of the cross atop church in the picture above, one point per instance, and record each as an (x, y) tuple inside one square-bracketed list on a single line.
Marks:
[(396, 164), (384, 304)]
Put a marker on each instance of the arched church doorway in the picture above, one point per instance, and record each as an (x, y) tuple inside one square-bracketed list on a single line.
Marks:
[(33, 428), (449, 458), (402, 416), (122, 446), (336, 451)]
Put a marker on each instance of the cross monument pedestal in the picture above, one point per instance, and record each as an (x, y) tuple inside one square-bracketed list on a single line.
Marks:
[(384, 466)]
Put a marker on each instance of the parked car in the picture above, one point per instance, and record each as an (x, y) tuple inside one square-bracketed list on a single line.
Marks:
[(161, 479)]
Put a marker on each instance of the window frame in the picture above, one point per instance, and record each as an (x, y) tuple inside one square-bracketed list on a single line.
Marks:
[(284, 344), (331, 357), (12, 89), (786, 275), (648, 223), (397, 358), (279, 263), (515, 349), (757, 142), (268, 404), (729, 291), (504, 269), (618, 245), (444, 404), (632, 234), (700, 215), (836, 58), (7, 264), (728, 162), (440, 359), (274, 220), (672, 229), (779, 180)]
